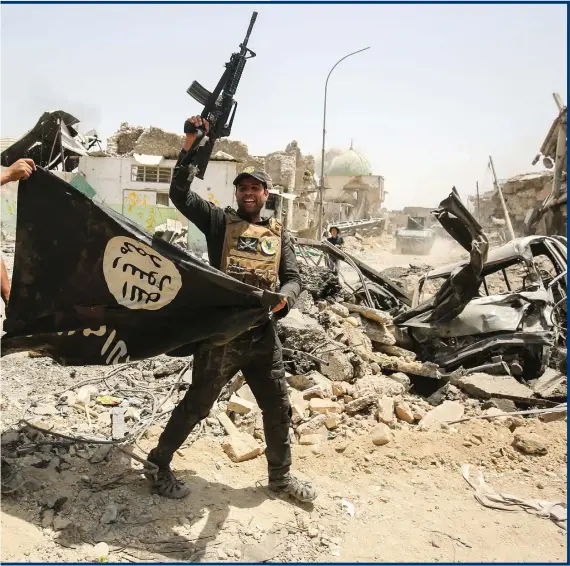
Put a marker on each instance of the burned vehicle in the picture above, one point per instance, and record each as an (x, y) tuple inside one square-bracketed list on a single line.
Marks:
[(415, 238), (501, 311)]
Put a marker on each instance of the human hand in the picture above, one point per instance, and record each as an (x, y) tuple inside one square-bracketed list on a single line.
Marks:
[(19, 170)]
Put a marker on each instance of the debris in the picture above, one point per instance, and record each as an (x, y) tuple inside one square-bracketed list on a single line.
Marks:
[(402, 379), (339, 367), (164, 370), (488, 497), (241, 406), (365, 402), (404, 412), (101, 453), (381, 317), (324, 406), (240, 446), (311, 379), (385, 412), (348, 507), (381, 434), (99, 552), (119, 428), (332, 422), (108, 401), (60, 523), (531, 443), (396, 351), (448, 411), (378, 333), (110, 514), (485, 386), (339, 310), (551, 384)]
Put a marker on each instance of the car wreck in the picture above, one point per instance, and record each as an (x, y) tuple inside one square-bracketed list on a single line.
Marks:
[(502, 311)]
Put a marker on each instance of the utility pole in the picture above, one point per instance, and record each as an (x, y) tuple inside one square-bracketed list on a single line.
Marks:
[(322, 183), (478, 204), (502, 199)]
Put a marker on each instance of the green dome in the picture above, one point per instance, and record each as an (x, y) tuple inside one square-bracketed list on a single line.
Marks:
[(350, 164)]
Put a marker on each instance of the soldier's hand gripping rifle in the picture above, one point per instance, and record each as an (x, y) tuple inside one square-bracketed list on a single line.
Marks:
[(219, 107)]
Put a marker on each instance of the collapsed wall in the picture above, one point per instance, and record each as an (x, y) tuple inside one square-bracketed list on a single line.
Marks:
[(522, 194)]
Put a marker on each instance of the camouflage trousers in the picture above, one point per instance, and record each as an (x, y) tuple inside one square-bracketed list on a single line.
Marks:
[(257, 353)]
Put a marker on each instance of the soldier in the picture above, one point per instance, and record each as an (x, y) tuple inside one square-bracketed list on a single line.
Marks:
[(258, 252)]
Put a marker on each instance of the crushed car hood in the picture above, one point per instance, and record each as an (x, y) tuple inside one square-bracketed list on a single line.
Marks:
[(495, 313)]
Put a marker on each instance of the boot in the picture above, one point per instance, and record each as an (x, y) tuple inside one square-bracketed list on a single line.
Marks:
[(164, 482), (301, 490)]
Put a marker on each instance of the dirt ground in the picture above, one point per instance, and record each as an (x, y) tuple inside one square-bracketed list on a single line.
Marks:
[(405, 501)]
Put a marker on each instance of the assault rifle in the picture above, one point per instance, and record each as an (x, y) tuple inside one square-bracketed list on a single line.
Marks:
[(219, 107)]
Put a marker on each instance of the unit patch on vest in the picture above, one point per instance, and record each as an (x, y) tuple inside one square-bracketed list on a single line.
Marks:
[(247, 244), (269, 246)]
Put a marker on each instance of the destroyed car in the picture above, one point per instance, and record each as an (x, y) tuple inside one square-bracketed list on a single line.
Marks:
[(415, 238), (503, 310)]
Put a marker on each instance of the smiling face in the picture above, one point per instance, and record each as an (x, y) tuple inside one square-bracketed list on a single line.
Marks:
[(251, 195)]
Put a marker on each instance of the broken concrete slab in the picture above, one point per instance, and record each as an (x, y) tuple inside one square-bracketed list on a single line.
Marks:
[(448, 411), (371, 314), (404, 412), (396, 351), (339, 367), (379, 384), (324, 406), (316, 424), (385, 412), (378, 333), (552, 384), (239, 446), (486, 386), (241, 406), (367, 400)]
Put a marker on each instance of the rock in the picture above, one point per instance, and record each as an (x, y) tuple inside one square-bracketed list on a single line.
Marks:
[(448, 411), (419, 414), (396, 351), (241, 446), (311, 379), (551, 417), (352, 321), (119, 428), (32, 485), (339, 310), (47, 518), (531, 443), (385, 412), (404, 412), (310, 439), (402, 379), (9, 437), (447, 392), (332, 422), (371, 314), (324, 406), (101, 453), (315, 392), (339, 367), (486, 386), (110, 514), (381, 434), (422, 369), (99, 552), (551, 384), (169, 368), (297, 414), (246, 393), (222, 555), (241, 406), (365, 402), (378, 333), (375, 368), (312, 426), (60, 523), (132, 414), (380, 384), (86, 393), (55, 502)]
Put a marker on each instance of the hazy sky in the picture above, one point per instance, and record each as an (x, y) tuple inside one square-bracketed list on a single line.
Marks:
[(441, 88)]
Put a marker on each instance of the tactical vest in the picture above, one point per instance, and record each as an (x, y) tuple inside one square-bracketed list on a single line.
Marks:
[(251, 252)]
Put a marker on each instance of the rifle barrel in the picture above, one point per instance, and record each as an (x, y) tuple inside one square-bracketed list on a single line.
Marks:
[(251, 24)]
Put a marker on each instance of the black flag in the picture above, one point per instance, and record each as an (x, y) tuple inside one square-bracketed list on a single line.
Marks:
[(90, 287)]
